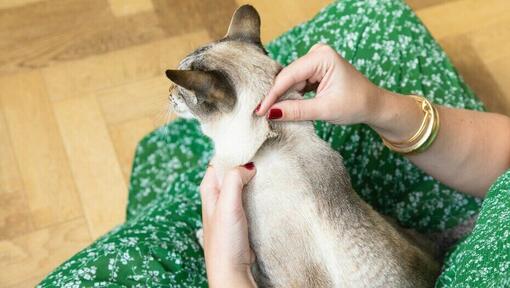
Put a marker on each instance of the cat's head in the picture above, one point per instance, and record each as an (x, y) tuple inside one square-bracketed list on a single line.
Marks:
[(222, 76), (221, 83)]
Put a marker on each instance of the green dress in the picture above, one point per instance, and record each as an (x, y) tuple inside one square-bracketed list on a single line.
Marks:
[(483, 258), (157, 247)]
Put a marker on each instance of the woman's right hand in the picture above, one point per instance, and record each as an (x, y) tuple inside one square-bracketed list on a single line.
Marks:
[(469, 153), (344, 95)]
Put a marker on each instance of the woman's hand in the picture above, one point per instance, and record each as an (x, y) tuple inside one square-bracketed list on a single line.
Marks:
[(471, 149), (344, 95), (228, 255)]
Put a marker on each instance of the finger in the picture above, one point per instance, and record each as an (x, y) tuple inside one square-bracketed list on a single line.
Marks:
[(297, 72), (316, 46), (300, 110), (232, 188), (209, 192)]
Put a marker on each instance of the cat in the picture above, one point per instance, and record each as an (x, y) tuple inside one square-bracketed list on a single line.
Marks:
[(307, 226)]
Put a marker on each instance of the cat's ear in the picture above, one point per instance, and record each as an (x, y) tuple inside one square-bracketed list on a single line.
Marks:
[(209, 86), (245, 25)]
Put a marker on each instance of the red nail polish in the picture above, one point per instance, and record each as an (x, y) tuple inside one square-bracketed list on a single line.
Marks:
[(249, 165), (275, 113), (257, 108)]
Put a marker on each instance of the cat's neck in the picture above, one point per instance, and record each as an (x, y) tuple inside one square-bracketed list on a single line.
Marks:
[(239, 135)]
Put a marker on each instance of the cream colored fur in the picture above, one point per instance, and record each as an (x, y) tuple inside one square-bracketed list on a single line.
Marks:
[(307, 226)]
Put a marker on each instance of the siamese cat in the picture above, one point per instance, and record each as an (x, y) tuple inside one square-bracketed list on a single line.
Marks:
[(307, 226)]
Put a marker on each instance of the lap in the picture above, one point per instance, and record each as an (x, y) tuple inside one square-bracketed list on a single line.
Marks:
[(384, 40), (155, 248)]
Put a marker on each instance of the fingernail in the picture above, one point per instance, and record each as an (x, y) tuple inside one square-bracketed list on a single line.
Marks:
[(257, 108), (275, 113), (249, 165)]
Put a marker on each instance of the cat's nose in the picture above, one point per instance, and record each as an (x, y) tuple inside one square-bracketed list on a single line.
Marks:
[(172, 87), (171, 90)]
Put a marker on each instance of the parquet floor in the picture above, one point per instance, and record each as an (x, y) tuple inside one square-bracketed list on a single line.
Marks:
[(81, 82)]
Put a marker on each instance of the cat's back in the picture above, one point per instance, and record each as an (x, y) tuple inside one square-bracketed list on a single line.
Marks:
[(308, 228), (283, 213)]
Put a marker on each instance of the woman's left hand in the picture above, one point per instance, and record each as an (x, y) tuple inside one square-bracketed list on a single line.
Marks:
[(228, 255)]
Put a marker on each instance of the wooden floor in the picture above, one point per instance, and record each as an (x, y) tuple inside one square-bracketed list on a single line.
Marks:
[(81, 82)]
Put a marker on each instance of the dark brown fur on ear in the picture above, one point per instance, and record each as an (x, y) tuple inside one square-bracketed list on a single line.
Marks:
[(245, 25), (209, 86)]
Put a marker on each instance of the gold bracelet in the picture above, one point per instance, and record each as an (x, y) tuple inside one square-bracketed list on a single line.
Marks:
[(425, 108), (433, 136), (426, 134)]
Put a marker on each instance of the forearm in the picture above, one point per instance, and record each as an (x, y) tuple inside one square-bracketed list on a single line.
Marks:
[(471, 150)]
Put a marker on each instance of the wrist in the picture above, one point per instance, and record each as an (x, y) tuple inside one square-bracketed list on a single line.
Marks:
[(367, 105), (395, 117), (374, 99)]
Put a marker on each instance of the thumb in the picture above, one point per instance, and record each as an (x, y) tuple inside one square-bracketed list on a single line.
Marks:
[(233, 184), (295, 110)]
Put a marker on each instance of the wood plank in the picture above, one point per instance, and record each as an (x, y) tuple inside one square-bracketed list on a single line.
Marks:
[(482, 63), (179, 17), (474, 71), (420, 4), (32, 282), (145, 98), (126, 136), (37, 35), (38, 149), (274, 22), (460, 17), (15, 3), (92, 158), (9, 174), (128, 7), (75, 78), (33, 35), (491, 41), (15, 218), (500, 70), (30, 257)]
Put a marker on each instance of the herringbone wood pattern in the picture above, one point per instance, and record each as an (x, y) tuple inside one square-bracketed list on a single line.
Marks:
[(81, 82)]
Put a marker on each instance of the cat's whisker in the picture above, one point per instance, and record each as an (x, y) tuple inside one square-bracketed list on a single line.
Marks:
[(163, 118)]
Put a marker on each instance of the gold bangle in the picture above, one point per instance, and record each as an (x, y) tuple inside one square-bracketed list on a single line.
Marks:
[(422, 102), (433, 136), (426, 134)]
